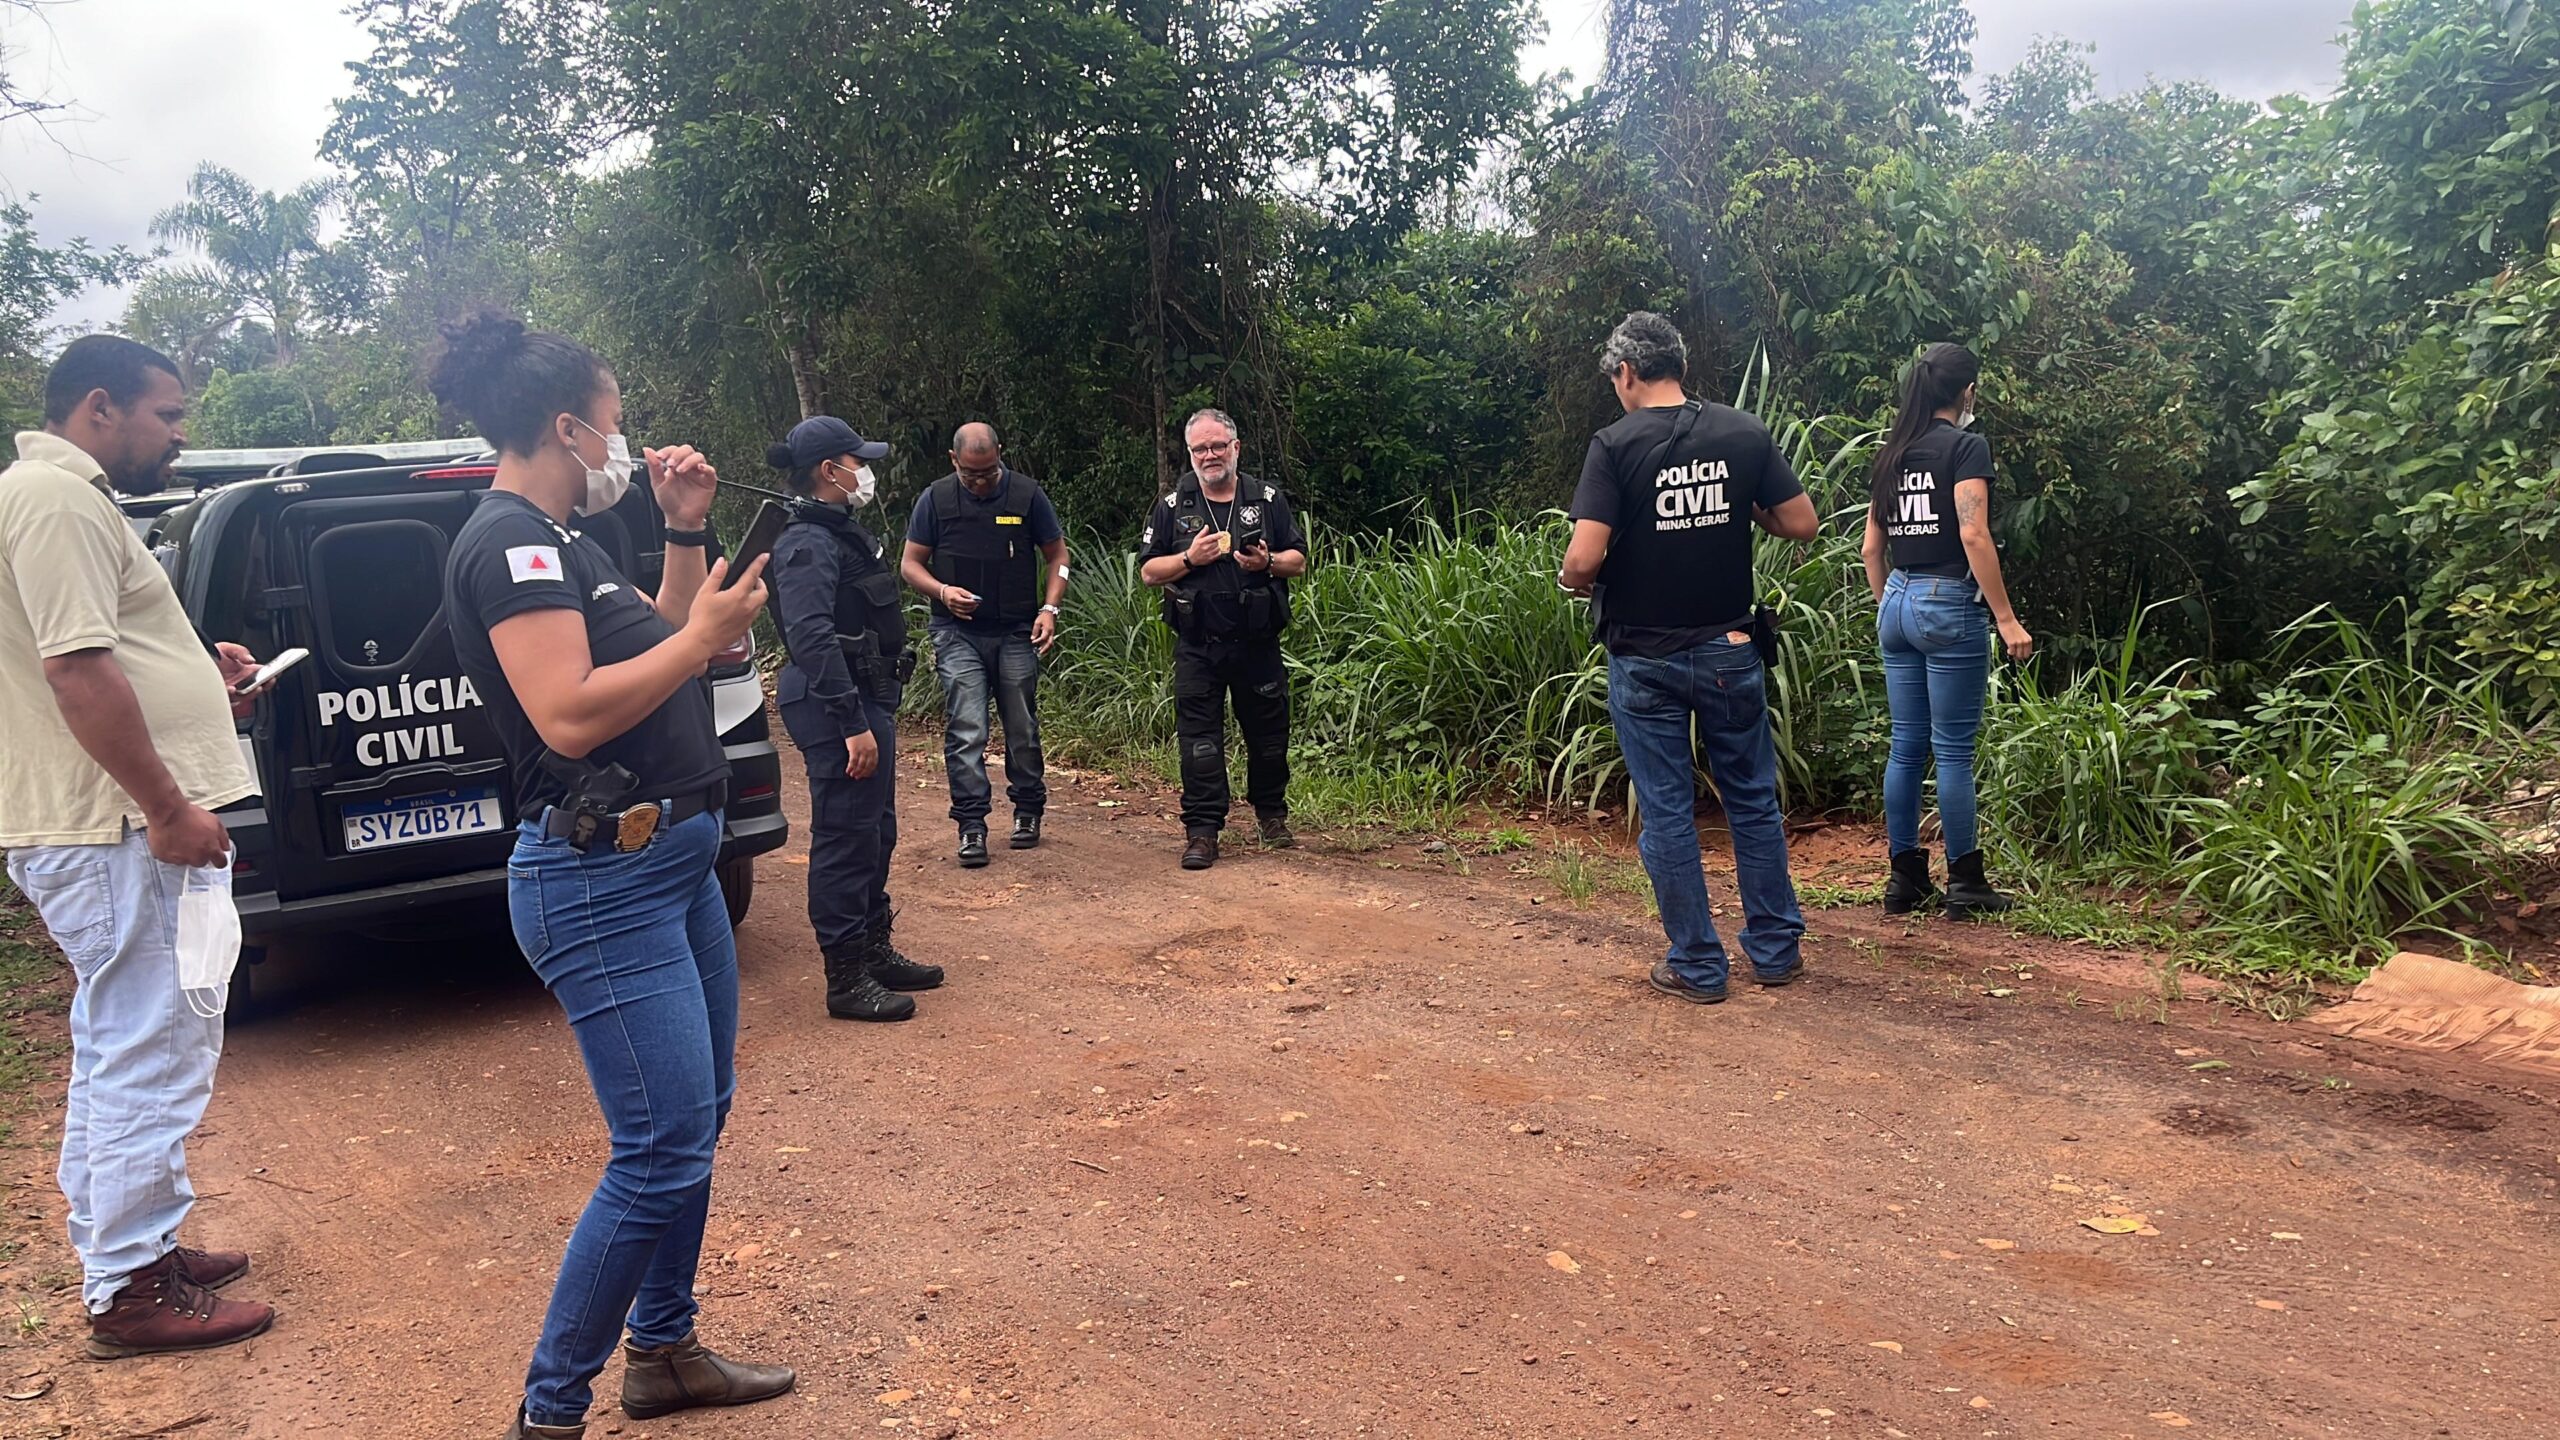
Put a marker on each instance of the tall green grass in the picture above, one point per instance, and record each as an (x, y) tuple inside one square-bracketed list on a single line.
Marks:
[(2303, 811)]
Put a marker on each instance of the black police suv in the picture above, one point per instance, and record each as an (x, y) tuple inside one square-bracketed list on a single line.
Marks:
[(384, 793)]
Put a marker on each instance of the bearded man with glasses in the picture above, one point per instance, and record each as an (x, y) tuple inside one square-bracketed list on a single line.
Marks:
[(1222, 549)]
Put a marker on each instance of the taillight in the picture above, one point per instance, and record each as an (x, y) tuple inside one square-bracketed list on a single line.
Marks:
[(755, 792), (459, 472), (738, 654)]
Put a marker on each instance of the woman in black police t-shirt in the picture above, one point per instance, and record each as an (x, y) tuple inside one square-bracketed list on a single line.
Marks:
[(1936, 577), (612, 895)]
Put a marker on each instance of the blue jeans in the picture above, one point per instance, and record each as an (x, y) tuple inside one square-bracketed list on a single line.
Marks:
[(974, 667), (1936, 635), (1720, 689), (142, 1060), (637, 949)]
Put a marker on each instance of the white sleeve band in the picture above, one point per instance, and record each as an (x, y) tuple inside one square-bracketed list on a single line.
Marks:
[(1062, 572)]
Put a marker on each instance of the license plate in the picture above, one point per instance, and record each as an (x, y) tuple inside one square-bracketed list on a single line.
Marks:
[(421, 818)]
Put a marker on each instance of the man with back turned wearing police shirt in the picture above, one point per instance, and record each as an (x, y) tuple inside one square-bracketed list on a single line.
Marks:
[(1662, 523), (1223, 547)]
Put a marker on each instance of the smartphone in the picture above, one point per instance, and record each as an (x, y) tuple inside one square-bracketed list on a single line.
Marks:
[(771, 516), (268, 672)]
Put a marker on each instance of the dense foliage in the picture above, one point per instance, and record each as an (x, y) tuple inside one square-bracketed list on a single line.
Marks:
[(2244, 362)]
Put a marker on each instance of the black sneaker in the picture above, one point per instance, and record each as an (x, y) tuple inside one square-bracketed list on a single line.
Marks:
[(1200, 850), (973, 847), (1026, 832), (1668, 981), (1275, 832)]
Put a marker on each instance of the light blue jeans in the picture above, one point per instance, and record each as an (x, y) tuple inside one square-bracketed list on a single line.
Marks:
[(637, 949), (142, 1059), (1936, 637)]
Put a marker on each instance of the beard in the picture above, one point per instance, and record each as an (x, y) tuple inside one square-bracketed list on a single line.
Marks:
[(148, 479)]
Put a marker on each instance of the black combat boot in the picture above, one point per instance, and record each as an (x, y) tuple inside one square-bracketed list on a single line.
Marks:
[(893, 970), (1969, 896), (851, 992), (1909, 887)]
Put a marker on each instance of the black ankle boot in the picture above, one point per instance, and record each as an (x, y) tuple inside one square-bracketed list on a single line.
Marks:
[(851, 992), (1908, 888), (893, 970), (1968, 894)]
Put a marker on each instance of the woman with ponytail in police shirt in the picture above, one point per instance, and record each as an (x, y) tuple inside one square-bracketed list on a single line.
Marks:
[(614, 901), (1936, 577)]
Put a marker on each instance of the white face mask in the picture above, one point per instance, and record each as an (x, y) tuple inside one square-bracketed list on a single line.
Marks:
[(606, 487), (1965, 420), (865, 485)]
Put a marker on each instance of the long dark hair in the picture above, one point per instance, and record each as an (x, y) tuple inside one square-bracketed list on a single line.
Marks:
[(1937, 381)]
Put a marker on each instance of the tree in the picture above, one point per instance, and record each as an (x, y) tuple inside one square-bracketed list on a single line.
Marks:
[(35, 278), (2417, 357), (257, 244)]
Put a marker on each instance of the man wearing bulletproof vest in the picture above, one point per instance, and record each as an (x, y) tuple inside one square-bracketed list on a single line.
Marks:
[(1222, 549), (834, 601), (974, 547), (1662, 540)]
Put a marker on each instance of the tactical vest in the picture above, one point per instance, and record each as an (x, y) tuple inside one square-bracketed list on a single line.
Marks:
[(1241, 605), (870, 623), (987, 550)]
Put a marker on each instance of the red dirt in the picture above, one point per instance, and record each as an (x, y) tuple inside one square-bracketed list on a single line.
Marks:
[(1344, 1143)]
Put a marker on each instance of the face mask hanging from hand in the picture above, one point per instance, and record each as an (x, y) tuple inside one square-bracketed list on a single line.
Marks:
[(606, 487)]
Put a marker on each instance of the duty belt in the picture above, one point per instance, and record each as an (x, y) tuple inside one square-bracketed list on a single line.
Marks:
[(624, 831)]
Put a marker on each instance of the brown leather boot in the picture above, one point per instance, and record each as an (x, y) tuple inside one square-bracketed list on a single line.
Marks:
[(684, 1376), (1200, 850), (212, 1269), (525, 1429), (161, 1310)]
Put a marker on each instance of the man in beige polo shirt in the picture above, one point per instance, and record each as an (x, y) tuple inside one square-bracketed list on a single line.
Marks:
[(120, 747)]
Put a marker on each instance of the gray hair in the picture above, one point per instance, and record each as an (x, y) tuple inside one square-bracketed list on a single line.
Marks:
[(1650, 343), (1211, 412)]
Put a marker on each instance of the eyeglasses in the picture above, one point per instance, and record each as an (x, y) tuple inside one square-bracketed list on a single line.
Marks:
[(1215, 447)]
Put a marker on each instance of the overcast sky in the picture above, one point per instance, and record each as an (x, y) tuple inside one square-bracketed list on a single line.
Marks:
[(164, 84)]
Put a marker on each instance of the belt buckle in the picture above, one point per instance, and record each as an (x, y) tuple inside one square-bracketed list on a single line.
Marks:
[(633, 827)]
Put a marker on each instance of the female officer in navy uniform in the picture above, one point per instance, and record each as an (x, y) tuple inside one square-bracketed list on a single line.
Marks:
[(836, 603), (598, 694)]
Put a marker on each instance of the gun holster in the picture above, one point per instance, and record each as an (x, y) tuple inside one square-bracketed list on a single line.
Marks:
[(598, 793)]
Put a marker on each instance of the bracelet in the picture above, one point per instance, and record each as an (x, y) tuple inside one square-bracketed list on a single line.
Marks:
[(699, 539), (1048, 609)]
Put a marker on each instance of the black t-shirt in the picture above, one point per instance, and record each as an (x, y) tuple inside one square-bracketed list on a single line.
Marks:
[(1279, 523), (512, 559), (1918, 511), (1679, 566)]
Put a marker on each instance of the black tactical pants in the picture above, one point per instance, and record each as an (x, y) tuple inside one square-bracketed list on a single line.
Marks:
[(853, 830), (1205, 673)]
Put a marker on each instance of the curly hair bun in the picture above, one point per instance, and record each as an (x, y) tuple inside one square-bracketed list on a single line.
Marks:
[(779, 457)]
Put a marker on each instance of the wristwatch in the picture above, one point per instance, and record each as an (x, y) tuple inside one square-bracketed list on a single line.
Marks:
[(1048, 609), (699, 539)]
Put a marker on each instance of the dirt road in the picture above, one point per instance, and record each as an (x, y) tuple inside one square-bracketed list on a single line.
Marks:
[(1355, 1144)]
